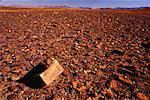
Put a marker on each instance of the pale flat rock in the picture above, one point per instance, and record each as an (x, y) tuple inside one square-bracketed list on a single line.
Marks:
[(53, 71)]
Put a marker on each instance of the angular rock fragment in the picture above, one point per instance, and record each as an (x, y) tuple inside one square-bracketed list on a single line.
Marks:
[(141, 96), (113, 84), (40, 75), (53, 71)]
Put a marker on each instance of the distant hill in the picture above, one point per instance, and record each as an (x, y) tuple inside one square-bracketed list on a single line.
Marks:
[(127, 8)]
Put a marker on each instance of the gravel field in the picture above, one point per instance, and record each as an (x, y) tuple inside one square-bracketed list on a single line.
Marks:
[(105, 53)]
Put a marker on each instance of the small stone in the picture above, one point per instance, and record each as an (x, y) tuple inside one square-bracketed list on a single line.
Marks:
[(24, 73), (34, 22), (74, 84), (89, 71), (88, 83), (17, 70), (141, 96), (95, 69), (138, 51), (143, 29), (68, 24), (103, 67), (113, 84), (49, 23), (99, 73), (126, 80), (2, 86), (13, 88), (9, 31), (1, 58), (23, 50), (15, 77), (110, 93), (85, 72), (20, 38), (1, 73), (8, 58), (35, 37), (82, 89), (33, 51), (12, 97), (5, 70), (17, 57), (76, 43), (89, 98)]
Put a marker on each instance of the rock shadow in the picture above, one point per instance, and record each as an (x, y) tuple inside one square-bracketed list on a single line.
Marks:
[(32, 79)]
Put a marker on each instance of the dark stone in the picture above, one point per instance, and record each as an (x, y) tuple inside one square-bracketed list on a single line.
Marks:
[(117, 52)]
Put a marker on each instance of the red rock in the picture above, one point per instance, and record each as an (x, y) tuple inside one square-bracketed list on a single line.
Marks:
[(2, 86), (74, 83), (113, 84), (17, 57), (99, 73), (20, 38), (126, 80), (9, 31), (8, 58), (103, 67), (24, 73), (89, 98), (81, 89), (12, 97), (33, 51), (35, 37), (15, 77), (5, 70), (141, 96), (110, 93), (65, 72)]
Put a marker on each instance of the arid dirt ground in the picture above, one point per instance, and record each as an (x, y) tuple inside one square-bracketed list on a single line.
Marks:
[(105, 53)]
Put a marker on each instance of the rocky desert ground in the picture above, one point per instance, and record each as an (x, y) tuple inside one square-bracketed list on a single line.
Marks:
[(105, 53)]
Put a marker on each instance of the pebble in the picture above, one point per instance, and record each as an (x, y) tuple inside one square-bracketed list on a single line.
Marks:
[(138, 51), (8, 58), (13, 88), (126, 80), (15, 77), (99, 73), (89, 98), (74, 83), (85, 72), (2, 86), (35, 37), (68, 24), (113, 84), (9, 31), (20, 38), (1, 73), (12, 97), (82, 89), (76, 43), (24, 72), (141, 96)]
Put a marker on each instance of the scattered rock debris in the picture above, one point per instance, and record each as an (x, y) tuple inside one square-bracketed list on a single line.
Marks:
[(104, 53)]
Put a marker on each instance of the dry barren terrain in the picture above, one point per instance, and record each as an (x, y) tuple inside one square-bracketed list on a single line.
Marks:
[(105, 53)]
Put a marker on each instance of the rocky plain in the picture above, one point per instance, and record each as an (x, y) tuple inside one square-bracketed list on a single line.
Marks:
[(105, 53)]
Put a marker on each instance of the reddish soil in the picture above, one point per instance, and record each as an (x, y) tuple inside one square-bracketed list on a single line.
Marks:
[(105, 54)]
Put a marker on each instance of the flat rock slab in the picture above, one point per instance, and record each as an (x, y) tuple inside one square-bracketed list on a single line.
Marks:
[(53, 71)]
